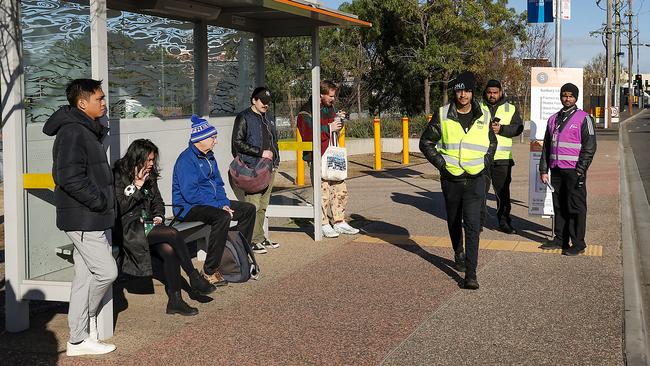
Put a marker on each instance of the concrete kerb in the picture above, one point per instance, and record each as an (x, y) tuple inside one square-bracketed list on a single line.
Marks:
[(633, 232)]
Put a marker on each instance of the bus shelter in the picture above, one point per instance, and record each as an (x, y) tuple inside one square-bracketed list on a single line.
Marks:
[(160, 61)]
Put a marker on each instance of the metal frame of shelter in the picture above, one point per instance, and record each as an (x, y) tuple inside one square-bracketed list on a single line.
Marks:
[(264, 18)]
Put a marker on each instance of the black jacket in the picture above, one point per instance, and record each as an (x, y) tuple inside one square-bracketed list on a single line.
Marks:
[(247, 137), (129, 229), (433, 133), (83, 194), (588, 141), (514, 129)]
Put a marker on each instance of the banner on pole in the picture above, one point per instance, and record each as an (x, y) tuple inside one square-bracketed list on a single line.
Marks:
[(540, 11), (545, 85)]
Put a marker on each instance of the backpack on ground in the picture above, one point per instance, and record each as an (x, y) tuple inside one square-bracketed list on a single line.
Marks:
[(238, 262)]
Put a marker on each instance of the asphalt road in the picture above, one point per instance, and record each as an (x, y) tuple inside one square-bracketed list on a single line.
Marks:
[(635, 210), (639, 132)]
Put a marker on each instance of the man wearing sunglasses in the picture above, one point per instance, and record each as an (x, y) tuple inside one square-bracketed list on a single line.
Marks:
[(254, 137)]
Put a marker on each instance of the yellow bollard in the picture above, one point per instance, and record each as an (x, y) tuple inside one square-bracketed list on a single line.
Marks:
[(377, 127), (342, 137), (429, 117), (405, 140), (300, 163)]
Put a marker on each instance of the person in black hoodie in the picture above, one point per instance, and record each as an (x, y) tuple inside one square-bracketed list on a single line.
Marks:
[(85, 207), (460, 143)]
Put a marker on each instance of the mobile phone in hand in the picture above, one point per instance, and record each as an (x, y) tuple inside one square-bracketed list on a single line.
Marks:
[(496, 120)]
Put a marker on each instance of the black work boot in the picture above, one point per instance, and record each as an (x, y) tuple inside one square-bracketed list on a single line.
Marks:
[(200, 284), (176, 305), (507, 228), (470, 283), (459, 258)]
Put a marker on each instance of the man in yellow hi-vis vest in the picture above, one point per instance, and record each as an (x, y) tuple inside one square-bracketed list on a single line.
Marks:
[(461, 144), (506, 124)]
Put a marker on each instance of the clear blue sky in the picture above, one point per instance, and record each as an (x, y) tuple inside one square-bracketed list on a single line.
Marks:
[(578, 47)]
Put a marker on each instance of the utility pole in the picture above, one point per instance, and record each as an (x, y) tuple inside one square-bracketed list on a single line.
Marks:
[(558, 33), (608, 67), (617, 61), (630, 90)]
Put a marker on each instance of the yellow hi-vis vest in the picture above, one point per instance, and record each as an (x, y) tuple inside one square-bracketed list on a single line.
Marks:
[(464, 152), (504, 149)]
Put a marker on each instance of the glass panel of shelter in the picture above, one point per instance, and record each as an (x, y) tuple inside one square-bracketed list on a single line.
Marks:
[(56, 48)]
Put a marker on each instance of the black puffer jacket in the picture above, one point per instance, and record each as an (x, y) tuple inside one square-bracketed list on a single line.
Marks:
[(83, 195)]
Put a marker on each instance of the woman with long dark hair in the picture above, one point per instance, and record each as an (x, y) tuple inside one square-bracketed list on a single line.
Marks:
[(144, 235)]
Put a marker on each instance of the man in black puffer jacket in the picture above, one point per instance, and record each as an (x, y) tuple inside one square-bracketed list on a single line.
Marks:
[(85, 207)]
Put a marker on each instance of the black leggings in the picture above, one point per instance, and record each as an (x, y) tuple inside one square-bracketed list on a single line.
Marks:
[(167, 246)]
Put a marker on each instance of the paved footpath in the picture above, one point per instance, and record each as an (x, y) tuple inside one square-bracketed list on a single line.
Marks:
[(389, 296)]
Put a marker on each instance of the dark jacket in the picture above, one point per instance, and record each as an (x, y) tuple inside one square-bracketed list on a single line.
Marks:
[(247, 137), (433, 133), (514, 129), (83, 194), (197, 181), (129, 230), (587, 135)]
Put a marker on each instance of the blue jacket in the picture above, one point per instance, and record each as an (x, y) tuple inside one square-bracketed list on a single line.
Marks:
[(197, 181)]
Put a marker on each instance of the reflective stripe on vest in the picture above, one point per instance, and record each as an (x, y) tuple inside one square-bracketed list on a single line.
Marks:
[(566, 144), (504, 112), (464, 152)]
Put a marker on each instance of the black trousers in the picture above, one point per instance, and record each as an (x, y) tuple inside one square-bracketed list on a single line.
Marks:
[(570, 207), (463, 201), (500, 176), (219, 219)]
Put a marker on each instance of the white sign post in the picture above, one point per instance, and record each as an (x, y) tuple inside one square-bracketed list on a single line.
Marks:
[(545, 87)]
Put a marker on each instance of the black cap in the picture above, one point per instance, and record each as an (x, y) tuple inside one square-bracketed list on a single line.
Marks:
[(262, 93), (464, 81), (568, 87), (493, 84)]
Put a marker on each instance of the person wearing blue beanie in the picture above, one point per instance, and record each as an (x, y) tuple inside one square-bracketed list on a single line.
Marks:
[(198, 194)]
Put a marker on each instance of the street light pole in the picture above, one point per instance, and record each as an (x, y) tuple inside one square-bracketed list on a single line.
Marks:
[(608, 65), (630, 93), (558, 34), (617, 61)]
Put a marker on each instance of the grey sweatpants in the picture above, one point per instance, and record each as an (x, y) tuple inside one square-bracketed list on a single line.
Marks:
[(94, 272)]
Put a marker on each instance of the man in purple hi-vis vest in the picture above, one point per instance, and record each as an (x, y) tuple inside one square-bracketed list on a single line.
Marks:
[(569, 148)]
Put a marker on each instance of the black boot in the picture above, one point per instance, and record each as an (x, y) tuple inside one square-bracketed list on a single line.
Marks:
[(176, 305), (200, 284), (459, 262)]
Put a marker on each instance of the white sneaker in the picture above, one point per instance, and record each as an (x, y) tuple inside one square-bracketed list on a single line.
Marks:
[(329, 232), (89, 347), (343, 228), (92, 328)]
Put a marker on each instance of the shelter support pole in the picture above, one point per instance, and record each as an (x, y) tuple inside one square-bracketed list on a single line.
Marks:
[(315, 107)]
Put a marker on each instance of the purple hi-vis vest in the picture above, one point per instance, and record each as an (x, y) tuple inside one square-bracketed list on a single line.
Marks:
[(566, 144)]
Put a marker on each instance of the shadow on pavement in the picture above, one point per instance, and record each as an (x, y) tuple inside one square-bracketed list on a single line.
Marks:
[(433, 203), (145, 286), (36, 345), (379, 229)]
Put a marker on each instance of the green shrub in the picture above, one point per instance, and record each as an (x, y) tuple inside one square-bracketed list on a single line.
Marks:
[(391, 127)]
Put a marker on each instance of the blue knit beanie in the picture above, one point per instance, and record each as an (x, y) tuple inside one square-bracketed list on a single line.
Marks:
[(201, 129)]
